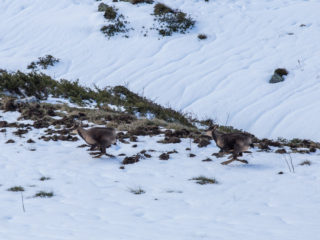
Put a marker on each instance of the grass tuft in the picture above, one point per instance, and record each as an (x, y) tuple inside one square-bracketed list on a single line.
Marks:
[(16, 189), (202, 180), (43, 178), (137, 191), (43, 194), (171, 21)]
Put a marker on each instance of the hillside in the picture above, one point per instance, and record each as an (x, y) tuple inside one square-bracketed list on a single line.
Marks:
[(224, 77)]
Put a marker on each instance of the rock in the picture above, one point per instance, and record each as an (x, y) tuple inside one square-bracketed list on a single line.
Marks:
[(278, 75), (3, 124), (131, 160), (164, 156), (281, 151)]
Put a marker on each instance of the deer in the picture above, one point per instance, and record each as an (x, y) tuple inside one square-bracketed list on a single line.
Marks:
[(237, 143), (101, 137)]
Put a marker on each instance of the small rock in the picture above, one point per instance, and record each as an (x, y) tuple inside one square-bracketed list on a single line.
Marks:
[(281, 151), (164, 156)]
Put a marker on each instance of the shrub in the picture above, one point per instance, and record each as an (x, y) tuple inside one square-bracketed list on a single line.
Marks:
[(161, 9), (41, 86), (281, 72), (43, 178), (171, 21), (110, 12), (202, 180), (102, 7), (202, 36), (43, 194), (118, 24), (16, 189), (137, 191), (47, 60)]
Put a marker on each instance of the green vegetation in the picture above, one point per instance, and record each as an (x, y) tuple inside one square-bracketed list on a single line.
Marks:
[(137, 191), (202, 180), (117, 25), (43, 194), (171, 21), (43, 62), (16, 189), (43, 178), (42, 86)]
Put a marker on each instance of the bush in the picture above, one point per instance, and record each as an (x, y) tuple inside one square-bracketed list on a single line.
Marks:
[(202, 36), (172, 21), (102, 7), (137, 191), (118, 24), (41, 86), (202, 180), (43, 194), (43, 62), (110, 12), (16, 189)]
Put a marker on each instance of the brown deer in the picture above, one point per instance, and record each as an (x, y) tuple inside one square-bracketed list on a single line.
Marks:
[(237, 143), (100, 137)]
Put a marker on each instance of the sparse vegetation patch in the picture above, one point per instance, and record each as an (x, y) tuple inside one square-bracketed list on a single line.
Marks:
[(43, 194), (41, 86), (43, 178), (202, 180), (16, 189), (118, 22), (137, 191), (43, 62), (171, 21)]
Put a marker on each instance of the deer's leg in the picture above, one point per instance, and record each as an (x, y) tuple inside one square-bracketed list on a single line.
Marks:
[(238, 152), (93, 147), (227, 162), (243, 161), (102, 152)]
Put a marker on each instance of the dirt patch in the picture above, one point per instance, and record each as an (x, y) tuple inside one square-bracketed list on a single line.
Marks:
[(131, 160), (164, 156)]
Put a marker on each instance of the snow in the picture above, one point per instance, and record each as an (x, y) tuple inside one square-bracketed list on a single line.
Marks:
[(225, 75), (92, 198)]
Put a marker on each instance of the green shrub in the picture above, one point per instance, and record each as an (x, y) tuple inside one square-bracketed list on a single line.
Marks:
[(16, 189), (137, 191), (202, 180), (43, 194), (41, 86), (172, 21), (117, 25), (43, 62), (110, 12)]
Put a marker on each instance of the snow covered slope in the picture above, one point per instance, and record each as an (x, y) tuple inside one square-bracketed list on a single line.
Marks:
[(224, 77), (93, 199)]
